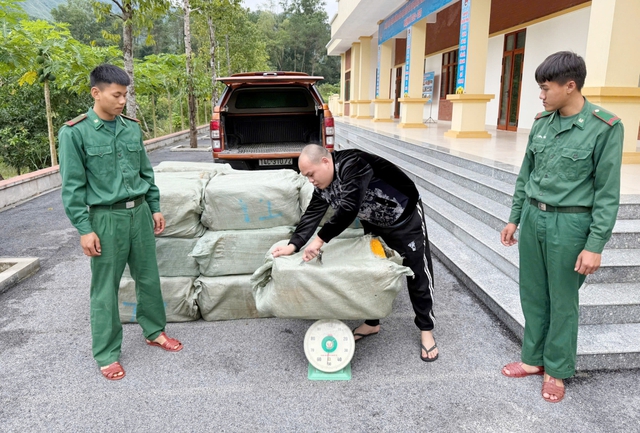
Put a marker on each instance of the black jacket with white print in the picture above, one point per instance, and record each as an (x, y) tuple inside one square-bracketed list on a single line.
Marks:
[(364, 186)]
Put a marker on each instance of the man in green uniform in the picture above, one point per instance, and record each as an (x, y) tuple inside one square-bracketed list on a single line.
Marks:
[(109, 195), (566, 202)]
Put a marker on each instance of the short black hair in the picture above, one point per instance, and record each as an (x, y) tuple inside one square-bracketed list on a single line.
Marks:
[(562, 67), (108, 74)]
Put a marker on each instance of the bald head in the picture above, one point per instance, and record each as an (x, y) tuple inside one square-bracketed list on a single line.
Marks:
[(316, 164), (314, 153)]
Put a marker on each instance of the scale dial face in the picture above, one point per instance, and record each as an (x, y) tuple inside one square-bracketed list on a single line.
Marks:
[(329, 345)]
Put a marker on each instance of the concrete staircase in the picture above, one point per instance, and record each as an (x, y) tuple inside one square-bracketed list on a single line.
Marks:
[(467, 202)]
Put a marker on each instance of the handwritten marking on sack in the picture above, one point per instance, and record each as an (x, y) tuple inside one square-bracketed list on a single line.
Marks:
[(270, 214), (135, 308)]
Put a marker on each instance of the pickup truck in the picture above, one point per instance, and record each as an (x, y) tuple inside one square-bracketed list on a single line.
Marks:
[(264, 119)]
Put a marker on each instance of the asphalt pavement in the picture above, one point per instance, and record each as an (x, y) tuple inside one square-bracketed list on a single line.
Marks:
[(251, 375)]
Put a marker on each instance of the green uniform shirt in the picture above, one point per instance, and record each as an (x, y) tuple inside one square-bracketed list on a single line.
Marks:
[(574, 165), (100, 167)]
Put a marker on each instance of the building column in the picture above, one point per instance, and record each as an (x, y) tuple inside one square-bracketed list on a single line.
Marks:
[(363, 102), (470, 108), (613, 66), (343, 67), (382, 104), (355, 79), (412, 103)]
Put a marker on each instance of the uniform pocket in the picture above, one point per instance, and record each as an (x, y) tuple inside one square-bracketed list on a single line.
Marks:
[(133, 154), (99, 159), (575, 163), (537, 148)]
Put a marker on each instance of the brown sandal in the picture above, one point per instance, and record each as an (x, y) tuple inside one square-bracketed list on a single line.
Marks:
[(516, 370), (110, 373), (170, 344), (551, 388)]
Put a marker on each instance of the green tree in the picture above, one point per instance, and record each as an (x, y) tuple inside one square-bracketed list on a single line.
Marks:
[(83, 24), (135, 16)]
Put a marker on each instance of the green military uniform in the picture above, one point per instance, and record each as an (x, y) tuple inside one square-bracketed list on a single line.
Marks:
[(566, 200), (104, 167)]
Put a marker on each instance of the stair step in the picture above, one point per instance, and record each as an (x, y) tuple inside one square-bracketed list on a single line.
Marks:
[(610, 303), (505, 172), (490, 187), (618, 266), (626, 234)]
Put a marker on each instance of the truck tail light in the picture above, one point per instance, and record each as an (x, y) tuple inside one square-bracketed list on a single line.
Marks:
[(214, 126), (329, 132)]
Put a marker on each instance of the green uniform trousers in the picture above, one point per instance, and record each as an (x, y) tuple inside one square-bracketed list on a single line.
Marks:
[(549, 245), (126, 236)]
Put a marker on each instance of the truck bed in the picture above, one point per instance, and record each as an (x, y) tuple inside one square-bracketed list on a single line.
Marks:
[(247, 134), (262, 148)]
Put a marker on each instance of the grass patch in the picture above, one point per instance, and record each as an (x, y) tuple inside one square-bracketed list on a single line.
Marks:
[(6, 171)]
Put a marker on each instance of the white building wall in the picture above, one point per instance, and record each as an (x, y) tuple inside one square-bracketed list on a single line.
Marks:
[(566, 32), (492, 78)]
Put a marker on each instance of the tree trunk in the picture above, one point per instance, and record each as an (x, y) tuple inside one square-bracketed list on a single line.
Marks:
[(170, 112), (193, 133), (212, 54), (153, 107), (127, 49), (181, 114), (52, 140), (228, 56)]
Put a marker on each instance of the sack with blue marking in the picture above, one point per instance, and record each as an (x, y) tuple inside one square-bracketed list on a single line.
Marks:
[(357, 278)]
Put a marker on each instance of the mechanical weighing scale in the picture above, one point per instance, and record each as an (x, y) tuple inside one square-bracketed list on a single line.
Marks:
[(329, 346)]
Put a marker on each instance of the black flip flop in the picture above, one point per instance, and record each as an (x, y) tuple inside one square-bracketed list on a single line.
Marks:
[(362, 336), (427, 359)]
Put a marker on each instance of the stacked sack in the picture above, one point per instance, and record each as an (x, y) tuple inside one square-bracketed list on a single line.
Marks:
[(357, 278), (181, 186), (245, 213)]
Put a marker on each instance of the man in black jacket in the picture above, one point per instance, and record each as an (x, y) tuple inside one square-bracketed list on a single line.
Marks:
[(358, 184)]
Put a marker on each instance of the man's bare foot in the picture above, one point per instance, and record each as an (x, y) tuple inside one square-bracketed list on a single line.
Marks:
[(365, 330), (515, 369), (554, 394), (428, 341)]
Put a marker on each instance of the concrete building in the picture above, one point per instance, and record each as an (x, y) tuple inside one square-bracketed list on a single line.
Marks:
[(409, 60)]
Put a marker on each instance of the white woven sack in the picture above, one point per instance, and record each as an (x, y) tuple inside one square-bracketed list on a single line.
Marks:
[(178, 293), (350, 283), (187, 166), (173, 258), (181, 203), (226, 298), (235, 252), (246, 200)]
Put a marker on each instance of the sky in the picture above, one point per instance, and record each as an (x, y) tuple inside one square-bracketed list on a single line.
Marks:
[(331, 6)]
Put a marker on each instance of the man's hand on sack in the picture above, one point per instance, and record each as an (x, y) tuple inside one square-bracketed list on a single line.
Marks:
[(284, 251), (313, 250)]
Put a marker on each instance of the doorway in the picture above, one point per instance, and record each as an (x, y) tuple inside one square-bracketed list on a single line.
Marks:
[(511, 80), (396, 102)]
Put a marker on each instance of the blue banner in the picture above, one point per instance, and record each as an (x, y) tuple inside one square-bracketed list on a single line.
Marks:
[(406, 16), (407, 64), (462, 52), (378, 73), (427, 85)]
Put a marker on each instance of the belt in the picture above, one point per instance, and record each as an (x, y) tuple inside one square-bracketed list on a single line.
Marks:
[(562, 209), (130, 204)]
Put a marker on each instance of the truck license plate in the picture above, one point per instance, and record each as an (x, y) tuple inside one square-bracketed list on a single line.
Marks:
[(282, 161)]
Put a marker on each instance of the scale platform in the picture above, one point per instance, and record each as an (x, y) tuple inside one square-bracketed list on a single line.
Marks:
[(329, 346)]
